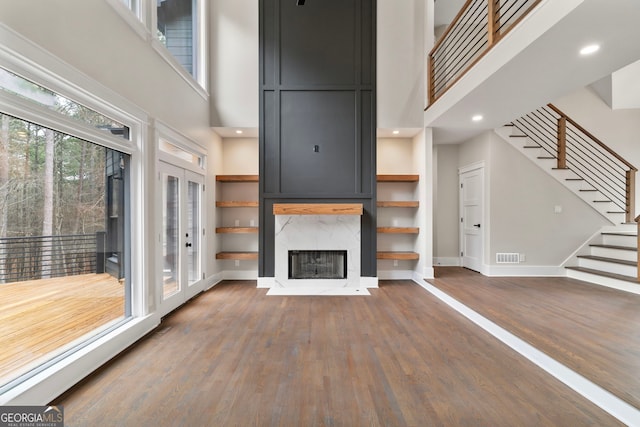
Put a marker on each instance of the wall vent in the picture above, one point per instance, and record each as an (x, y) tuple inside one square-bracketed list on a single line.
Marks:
[(507, 258)]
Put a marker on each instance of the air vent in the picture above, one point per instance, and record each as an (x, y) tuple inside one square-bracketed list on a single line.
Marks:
[(507, 258)]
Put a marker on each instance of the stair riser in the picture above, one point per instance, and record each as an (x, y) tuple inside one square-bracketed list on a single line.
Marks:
[(614, 253), (605, 281), (618, 240), (609, 267)]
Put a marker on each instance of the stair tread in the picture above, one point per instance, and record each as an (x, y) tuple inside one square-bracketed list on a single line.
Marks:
[(574, 179), (532, 146), (517, 136), (613, 233), (621, 248), (611, 260), (605, 274), (546, 157), (602, 201), (588, 189)]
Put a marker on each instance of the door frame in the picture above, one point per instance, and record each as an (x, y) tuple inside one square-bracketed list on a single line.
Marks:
[(478, 166), (186, 291)]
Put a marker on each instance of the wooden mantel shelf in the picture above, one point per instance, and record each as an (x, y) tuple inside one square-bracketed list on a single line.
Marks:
[(317, 209)]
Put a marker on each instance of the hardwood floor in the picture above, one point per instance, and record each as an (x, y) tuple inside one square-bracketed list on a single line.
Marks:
[(41, 317), (592, 329), (400, 357)]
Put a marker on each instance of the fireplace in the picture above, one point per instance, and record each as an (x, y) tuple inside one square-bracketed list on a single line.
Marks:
[(317, 265), (317, 245)]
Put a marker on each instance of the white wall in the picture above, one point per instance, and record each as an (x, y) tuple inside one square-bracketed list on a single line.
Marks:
[(234, 63), (92, 37), (446, 243), (401, 63), (618, 129), (519, 205)]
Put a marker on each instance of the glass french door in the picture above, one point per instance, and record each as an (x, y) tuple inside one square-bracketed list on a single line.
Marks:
[(181, 236)]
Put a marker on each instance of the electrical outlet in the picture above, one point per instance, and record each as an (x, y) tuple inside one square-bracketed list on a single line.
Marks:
[(522, 258), (237, 222), (395, 262), (252, 223), (237, 263)]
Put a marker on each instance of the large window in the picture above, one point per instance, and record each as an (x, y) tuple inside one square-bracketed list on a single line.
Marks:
[(63, 245), (177, 30)]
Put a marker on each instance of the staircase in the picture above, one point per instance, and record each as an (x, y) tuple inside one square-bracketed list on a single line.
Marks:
[(597, 175), (609, 259)]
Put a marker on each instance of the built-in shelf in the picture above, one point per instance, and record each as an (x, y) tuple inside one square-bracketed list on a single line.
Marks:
[(237, 204), (317, 209), (398, 178), (239, 230), (398, 255), (237, 255), (398, 230), (394, 204), (237, 178)]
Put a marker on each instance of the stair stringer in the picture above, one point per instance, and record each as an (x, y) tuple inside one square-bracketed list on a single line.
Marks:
[(564, 176)]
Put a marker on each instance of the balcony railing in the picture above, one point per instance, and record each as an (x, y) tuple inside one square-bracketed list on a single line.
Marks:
[(36, 257), (479, 25)]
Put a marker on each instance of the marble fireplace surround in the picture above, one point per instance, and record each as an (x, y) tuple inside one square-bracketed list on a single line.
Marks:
[(317, 226)]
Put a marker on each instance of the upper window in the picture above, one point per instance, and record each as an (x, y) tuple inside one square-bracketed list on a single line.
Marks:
[(24, 88), (177, 30), (133, 5)]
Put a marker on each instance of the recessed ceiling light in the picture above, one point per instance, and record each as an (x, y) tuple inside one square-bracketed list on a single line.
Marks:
[(395, 132), (476, 118), (588, 50), (239, 132)]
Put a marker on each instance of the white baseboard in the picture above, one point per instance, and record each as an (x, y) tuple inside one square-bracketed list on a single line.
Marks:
[(266, 282), (213, 280), (368, 282), (240, 275), (446, 262), (395, 274), (523, 270)]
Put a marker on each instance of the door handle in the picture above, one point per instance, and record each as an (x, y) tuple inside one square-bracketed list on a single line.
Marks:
[(476, 225), (188, 245)]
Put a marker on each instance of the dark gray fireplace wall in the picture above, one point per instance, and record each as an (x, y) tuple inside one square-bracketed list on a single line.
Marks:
[(317, 112)]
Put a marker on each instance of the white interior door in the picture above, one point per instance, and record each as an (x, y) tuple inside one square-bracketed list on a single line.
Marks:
[(181, 236), (472, 217)]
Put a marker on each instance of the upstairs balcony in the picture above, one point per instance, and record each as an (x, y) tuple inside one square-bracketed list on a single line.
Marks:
[(504, 58)]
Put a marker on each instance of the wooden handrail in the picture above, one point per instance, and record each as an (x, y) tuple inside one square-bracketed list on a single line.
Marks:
[(494, 34), (450, 27), (596, 140)]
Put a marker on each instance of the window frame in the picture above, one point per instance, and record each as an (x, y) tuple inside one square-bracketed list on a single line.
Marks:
[(22, 57)]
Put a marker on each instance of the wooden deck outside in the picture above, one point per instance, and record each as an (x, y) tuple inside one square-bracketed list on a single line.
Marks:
[(41, 318)]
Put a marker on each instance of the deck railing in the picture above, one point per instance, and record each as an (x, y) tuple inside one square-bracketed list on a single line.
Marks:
[(36, 257), (575, 148), (479, 25)]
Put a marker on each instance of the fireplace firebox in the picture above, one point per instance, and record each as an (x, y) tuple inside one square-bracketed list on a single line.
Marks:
[(317, 264)]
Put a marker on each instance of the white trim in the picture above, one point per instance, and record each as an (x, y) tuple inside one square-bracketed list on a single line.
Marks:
[(589, 390), (266, 282), (240, 274), (395, 274), (44, 387), (27, 59), (524, 270), (446, 261), (178, 68), (368, 282), (171, 135), (133, 18), (608, 282), (212, 281)]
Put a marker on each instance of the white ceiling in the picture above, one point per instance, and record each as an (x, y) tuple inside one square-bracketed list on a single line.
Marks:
[(535, 65)]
